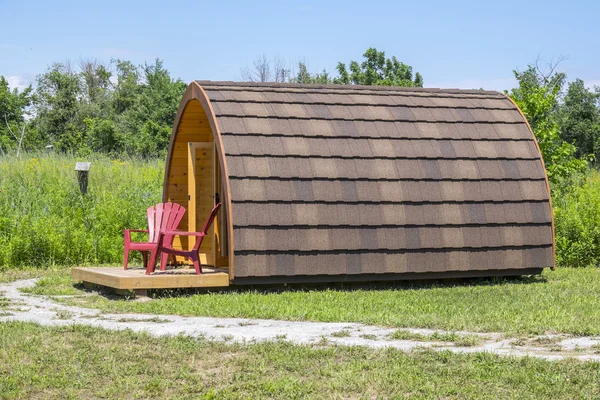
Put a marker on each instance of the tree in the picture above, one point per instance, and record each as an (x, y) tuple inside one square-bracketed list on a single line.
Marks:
[(59, 117), (127, 87), (266, 70), (376, 69), (148, 120), (13, 116), (537, 97), (579, 117), (88, 110), (96, 82), (305, 77)]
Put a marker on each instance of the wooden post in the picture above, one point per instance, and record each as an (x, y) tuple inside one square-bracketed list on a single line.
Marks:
[(83, 169)]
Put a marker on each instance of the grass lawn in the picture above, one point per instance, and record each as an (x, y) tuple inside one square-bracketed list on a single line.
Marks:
[(84, 362), (566, 300)]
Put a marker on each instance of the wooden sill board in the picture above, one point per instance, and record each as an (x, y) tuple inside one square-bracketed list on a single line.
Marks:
[(132, 279)]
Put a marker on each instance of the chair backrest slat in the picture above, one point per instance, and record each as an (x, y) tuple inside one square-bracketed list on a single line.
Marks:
[(162, 217), (210, 219), (151, 213)]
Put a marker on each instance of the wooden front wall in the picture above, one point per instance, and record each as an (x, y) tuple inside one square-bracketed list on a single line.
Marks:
[(194, 128)]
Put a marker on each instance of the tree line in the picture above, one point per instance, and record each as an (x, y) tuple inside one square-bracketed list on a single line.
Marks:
[(122, 108), (116, 109)]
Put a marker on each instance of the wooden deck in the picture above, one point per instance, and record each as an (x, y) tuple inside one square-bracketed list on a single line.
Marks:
[(136, 278)]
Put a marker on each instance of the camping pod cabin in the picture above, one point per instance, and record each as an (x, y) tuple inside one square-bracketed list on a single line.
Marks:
[(359, 183)]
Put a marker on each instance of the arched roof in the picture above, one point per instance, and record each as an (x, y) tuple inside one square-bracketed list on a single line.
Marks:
[(345, 180)]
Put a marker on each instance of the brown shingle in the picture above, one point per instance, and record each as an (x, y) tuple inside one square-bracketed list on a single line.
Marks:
[(534, 190), (480, 115), (531, 169), (452, 238), (344, 128), (473, 237), (281, 190), (232, 124), (442, 114), (489, 169), (474, 213), (431, 169), (257, 125), (392, 191), (366, 128), (423, 114), (492, 190), (511, 190), (511, 169), (295, 146), (428, 130), (495, 213), (509, 131), (246, 189), (318, 111), (406, 130)]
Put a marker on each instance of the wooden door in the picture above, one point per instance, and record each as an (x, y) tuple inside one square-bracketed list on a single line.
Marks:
[(201, 194)]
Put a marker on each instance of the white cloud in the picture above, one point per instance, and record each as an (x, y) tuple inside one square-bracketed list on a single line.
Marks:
[(499, 84), (18, 82)]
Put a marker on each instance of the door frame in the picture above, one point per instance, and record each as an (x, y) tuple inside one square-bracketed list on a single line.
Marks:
[(207, 259)]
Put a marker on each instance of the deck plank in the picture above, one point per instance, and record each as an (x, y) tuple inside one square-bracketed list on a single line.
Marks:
[(132, 279)]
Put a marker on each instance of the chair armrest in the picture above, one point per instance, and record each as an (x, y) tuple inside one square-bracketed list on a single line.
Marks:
[(127, 234), (181, 233), (199, 237)]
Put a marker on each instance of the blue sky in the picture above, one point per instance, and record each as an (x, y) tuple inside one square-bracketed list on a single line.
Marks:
[(465, 44)]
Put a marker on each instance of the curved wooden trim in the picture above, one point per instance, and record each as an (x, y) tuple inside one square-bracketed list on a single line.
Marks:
[(195, 92), (187, 97), (553, 267)]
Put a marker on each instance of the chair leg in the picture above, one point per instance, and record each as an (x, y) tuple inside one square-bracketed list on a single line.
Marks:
[(145, 257), (164, 258), (125, 257), (152, 263), (196, 261)]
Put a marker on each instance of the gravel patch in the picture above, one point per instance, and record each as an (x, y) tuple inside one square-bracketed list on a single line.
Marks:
[(43, 310)]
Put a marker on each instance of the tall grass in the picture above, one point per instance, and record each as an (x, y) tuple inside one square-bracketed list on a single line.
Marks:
[(577, 223), (46, 221)]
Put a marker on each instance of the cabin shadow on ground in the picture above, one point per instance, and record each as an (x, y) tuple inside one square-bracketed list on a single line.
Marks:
[(424, 284)]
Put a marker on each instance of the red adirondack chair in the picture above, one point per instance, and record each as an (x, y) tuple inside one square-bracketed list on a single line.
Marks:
[(161, 217), (165, 243)]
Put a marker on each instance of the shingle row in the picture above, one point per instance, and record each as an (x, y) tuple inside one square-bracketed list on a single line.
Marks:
[(290, 264), (243, 144), (352, 214), (260, 190), (378, 238), (384, 169), (328, 98), (365, 113), (373, 129), (354, 89)]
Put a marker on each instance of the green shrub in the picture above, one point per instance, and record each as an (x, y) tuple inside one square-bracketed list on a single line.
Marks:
[(46, 221), (577, 223)]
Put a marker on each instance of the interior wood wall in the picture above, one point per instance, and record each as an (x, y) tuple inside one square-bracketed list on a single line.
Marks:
[(193, 127)]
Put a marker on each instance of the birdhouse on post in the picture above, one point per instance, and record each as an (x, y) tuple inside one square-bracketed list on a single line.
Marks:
[(83, 170)]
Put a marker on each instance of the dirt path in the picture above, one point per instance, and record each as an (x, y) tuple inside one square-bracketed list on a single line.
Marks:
[(45, 311)]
